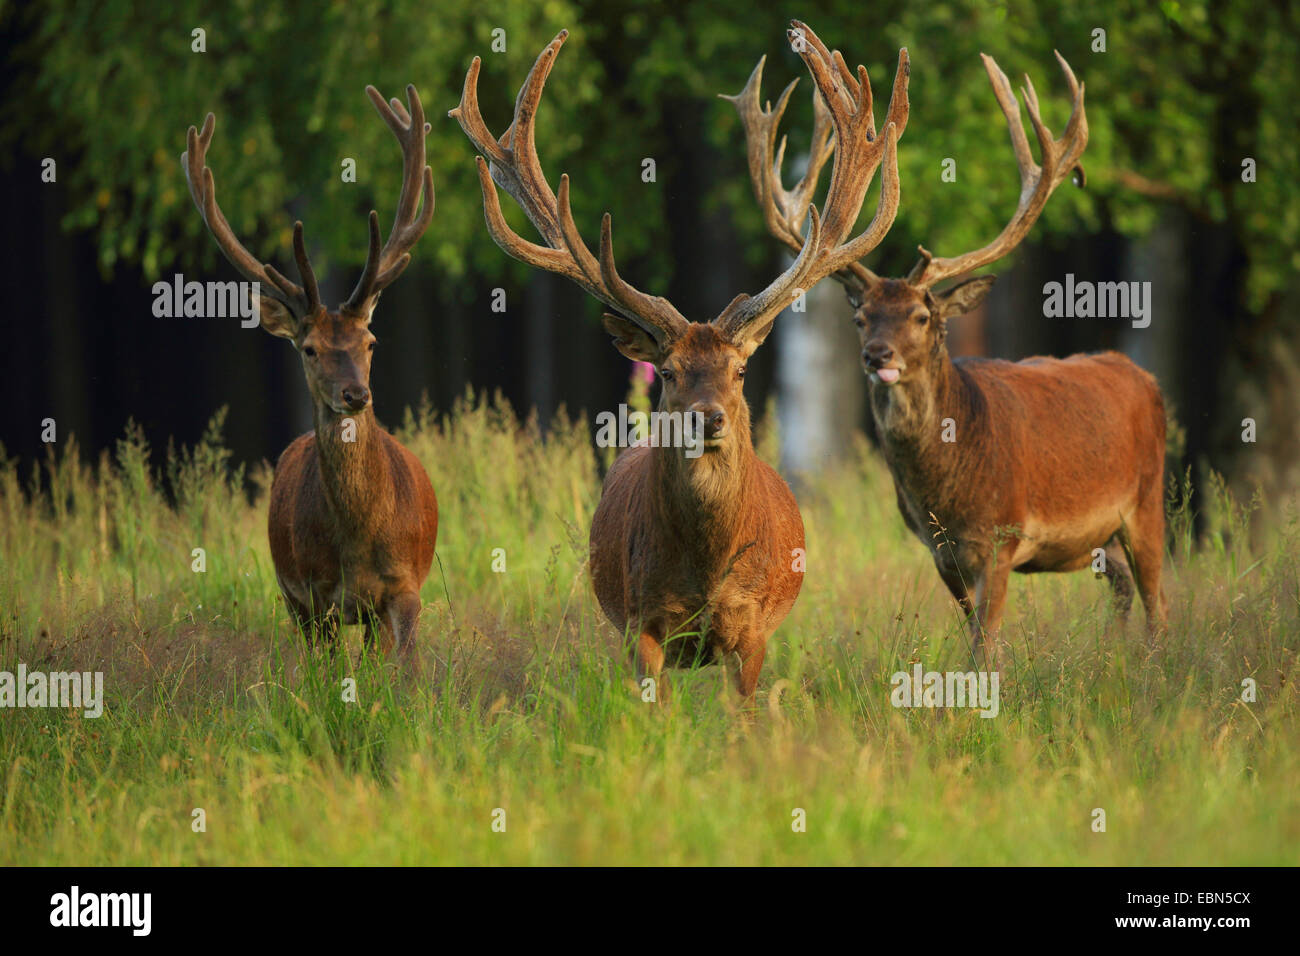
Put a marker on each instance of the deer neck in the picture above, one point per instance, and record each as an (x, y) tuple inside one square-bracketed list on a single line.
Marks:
[(919, 421), (353, 467), (705, 499)]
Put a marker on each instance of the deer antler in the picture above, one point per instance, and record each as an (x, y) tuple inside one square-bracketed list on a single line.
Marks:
[(842, 102), (385, 265), (513, 164), (784, 210), (1060, 158), (301, 301)]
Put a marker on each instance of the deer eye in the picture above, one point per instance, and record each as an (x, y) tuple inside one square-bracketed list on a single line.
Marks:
[(922, 317), (370, 347), (859, 321), (309, 351), (740, 372), (666, 374)]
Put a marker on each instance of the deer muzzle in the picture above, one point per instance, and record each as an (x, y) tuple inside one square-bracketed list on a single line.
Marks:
[(354, 397), (878, 361), (714, 420)]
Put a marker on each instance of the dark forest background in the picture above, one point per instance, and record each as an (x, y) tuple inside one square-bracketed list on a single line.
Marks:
[(1182, 94)]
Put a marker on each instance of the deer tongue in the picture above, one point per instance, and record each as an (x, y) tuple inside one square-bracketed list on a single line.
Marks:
[(887, 375)]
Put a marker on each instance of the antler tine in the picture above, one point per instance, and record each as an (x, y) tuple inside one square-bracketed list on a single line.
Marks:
[(511, 162), (471, 120), (821, 148), (567, 255), (632, 301), (745, 309), (800, 33), (383, 265), (203, 191), (783, 210), (846, 102), (1060, 157), (311, 294)]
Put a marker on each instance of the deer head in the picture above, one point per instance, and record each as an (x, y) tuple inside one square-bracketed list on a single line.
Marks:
[(702, 373), (701, 364), (901, 327), (335, 346), (902, 323)]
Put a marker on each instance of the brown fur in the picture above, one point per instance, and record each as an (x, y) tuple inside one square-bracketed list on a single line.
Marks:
[(705, 546), (353, 517), (352, 524), (678, 542), (1052, 458)]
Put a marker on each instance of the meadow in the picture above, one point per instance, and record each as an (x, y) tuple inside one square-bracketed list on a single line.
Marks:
[(524, 700)]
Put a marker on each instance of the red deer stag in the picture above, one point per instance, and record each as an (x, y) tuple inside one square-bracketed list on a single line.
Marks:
[(1047, 459), (697, 558), (353, 517)]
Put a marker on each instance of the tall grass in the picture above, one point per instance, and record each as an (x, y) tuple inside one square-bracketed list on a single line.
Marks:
[(524, 702)]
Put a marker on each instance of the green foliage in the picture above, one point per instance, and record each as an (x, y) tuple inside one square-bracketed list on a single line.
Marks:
[(1185, 90), (523, 699)]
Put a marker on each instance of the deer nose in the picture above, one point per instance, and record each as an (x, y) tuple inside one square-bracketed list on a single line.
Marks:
[(356, 397), (715, 419), (877, 354)]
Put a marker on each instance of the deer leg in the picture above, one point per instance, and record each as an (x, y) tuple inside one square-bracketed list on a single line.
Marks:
[(302, 616), (745, 668), (648, 659), (328, 624), (1119, 576), (311, 623), (1146, 540), (399, 624), (990, 597), (374, 627), (321, 629), (957, 587)]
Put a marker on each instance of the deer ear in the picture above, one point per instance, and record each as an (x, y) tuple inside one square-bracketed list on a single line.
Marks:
[(753, 336), (632, 340), (964, 296), (277, 319)]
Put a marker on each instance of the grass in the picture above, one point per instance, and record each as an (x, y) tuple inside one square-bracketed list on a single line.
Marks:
[(524, 702)]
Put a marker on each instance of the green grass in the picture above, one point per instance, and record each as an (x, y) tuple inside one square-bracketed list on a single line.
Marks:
[(524, 699)]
